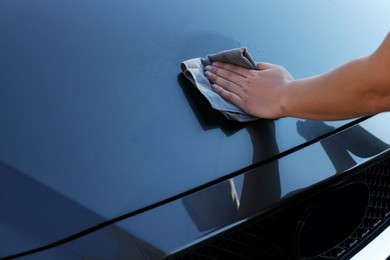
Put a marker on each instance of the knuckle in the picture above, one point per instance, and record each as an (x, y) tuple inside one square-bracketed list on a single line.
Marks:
[(213, 69), (252, 73), (211, 76), (280, 67)]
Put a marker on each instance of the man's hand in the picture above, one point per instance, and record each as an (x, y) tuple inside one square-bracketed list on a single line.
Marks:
[(358, 88), (257, 92)]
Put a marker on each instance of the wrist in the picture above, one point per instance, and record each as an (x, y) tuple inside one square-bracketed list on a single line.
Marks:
[(285, 100)]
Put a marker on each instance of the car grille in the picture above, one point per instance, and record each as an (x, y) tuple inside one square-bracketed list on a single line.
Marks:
[(272, 237)]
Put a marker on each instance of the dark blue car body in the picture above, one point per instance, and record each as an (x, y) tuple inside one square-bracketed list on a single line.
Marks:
[(108, 152)]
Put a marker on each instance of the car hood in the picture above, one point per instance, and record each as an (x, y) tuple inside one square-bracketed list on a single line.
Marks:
[(98, 122)]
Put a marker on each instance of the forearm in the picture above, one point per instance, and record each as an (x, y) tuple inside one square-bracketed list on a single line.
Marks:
[(360, 87), (338, 94)]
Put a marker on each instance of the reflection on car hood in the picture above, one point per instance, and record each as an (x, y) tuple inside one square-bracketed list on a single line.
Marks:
[(97, 121)]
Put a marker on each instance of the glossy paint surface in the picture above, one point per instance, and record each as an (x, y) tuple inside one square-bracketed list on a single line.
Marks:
[(173, 226), (97, 122)]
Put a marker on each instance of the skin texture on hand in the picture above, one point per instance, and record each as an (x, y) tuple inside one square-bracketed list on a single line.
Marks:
[(358, 88), (256, 92)]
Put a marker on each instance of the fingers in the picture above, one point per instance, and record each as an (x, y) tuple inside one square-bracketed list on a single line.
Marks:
[(235, 69), (224, 78), (227, 71), (227, 95), (227, 80)]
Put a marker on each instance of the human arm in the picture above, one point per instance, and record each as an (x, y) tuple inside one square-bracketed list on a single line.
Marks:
[(357, 88)]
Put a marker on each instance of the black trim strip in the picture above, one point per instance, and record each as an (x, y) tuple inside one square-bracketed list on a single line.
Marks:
[(181, 195)]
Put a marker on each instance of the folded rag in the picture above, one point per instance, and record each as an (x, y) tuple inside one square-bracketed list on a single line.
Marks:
[(193, 69)]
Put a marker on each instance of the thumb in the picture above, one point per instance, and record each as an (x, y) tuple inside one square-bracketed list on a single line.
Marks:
[(264, 65)]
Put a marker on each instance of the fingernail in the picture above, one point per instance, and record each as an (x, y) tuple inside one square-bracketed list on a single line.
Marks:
[(207, 73)]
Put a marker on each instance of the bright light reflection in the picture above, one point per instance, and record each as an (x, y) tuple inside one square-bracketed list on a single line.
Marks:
[(378, 249)]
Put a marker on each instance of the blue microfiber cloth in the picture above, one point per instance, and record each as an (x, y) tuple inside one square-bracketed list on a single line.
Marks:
[(193, 69)]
